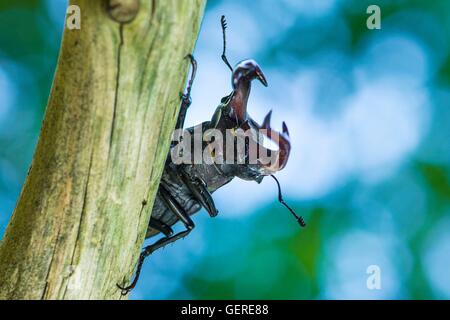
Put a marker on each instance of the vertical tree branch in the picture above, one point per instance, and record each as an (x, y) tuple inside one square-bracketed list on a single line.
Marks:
[(81, 217)]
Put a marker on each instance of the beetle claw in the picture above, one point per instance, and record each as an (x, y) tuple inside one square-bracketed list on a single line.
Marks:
[(266, 122), (281, 156), (285, 129), (124, 290)]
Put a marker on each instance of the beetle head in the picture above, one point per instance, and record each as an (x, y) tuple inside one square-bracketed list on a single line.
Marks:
[(246, 71), (237, 118)]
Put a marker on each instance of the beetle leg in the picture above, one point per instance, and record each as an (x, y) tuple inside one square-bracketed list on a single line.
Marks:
[(161, 227), (148, 250), (181, 214), (200, 192), (175, 207), (186, 97)]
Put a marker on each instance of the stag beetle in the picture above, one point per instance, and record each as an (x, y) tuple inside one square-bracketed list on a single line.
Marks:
[(186, 188)]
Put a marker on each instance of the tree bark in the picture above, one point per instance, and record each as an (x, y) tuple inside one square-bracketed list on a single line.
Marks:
[(81, 217)]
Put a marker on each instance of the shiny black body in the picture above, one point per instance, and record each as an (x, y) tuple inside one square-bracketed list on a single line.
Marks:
[(173, 181), (186, 188)]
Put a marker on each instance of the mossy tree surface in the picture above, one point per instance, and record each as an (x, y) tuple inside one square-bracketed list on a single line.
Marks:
[(81, 218)]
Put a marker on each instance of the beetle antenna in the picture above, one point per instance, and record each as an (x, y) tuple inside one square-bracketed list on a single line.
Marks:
[(223, 22), (281, 200)]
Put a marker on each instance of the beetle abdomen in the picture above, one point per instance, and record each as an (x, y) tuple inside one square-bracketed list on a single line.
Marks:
[(181, 194)]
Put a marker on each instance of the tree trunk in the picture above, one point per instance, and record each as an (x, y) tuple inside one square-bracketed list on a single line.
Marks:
[(81, 217)]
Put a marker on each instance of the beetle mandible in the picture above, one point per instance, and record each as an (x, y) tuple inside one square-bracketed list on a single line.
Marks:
[(186, 188)]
